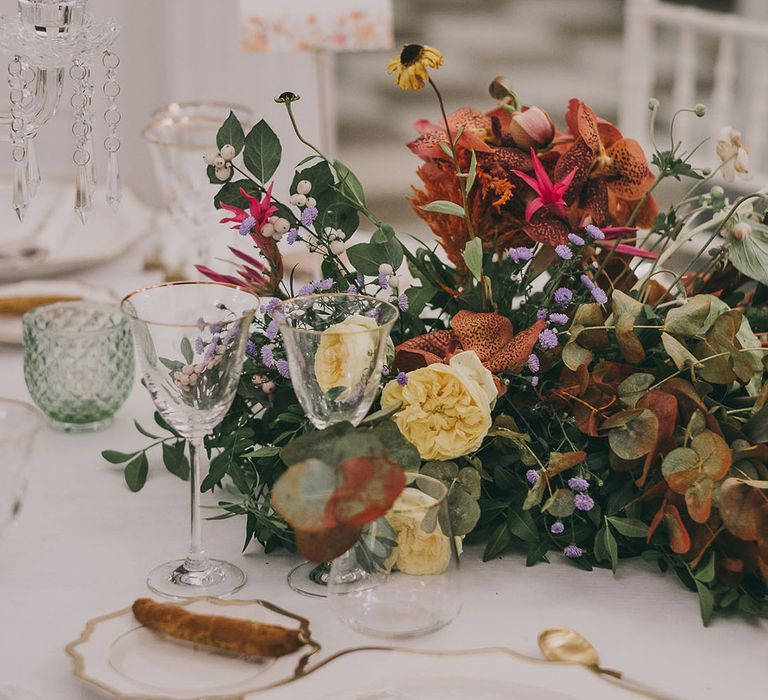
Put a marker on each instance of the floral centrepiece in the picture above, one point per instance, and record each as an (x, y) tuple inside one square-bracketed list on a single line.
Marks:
[(576, 397)]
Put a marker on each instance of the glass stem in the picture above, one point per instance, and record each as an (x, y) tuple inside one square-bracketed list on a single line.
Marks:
[(196, 559)]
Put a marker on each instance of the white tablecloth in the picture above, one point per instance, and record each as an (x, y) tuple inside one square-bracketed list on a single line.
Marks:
[(84, 543)]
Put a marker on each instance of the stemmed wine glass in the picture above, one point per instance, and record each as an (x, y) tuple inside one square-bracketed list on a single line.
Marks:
[(336, 345), (178, 135), (19, 424), (190, 338)]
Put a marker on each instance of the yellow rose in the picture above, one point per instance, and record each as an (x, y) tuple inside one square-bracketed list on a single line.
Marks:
[(446, 409), (345, 353), (418, 553)]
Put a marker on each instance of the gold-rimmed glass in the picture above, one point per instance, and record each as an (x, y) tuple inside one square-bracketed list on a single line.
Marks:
[(336, 346), (401, 577), (190, 338), (178, 135)]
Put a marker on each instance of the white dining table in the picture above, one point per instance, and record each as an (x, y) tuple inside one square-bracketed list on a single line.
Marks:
[(84, 543)]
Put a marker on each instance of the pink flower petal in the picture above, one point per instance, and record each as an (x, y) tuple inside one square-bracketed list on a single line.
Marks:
[(541, 175), (533, 184), (533, 206)]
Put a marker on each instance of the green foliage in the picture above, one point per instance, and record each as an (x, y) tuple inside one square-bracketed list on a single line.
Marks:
[(262, 152)]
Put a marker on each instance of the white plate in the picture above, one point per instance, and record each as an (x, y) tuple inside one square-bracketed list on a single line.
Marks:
[(10, 326), (121, 658), (60, 241), (413, 674)]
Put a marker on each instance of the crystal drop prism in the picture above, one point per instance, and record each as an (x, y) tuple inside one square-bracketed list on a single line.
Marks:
[(83, 194), (91, 164), (33, 169), (20, 190), (114, 188)]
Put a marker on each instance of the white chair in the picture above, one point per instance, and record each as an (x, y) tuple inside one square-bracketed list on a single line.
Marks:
[(739, 80)]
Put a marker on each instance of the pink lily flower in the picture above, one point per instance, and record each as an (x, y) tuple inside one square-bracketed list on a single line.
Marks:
[(253, 275), (548, 194), (252, 220)]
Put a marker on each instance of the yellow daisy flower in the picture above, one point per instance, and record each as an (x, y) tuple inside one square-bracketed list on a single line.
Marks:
[(410, 67)]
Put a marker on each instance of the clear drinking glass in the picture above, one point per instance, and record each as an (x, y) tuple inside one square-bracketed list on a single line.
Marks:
[(336, 346), (78, 362), (19, 424), (401, 578), (178, 136), (190, 338)]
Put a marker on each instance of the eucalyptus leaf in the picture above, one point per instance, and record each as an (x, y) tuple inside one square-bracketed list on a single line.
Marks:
[(473, 257), (442, 206), (560, 504), (689, 319), (464, 512), (634, 387)]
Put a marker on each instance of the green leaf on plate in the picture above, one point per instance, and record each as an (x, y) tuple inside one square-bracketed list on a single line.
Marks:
[(114, 457), (136, 472)]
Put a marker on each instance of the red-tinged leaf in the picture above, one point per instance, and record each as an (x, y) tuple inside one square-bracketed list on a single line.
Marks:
[(328, 544), (679, 539), (560, 461), (655, 522), (217, 276), (369, 487), (730, 571), (302, 493), (664, 406), (744, 509), (714, 454), (698, 499)]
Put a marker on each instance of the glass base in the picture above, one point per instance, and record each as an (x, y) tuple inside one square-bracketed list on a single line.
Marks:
[(9, 693), (92, 427), (173, 580), (310, 579)]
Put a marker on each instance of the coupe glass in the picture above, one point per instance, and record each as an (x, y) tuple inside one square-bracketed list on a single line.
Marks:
[(19, 424), (190, 338), (78, 363), (401, 578), (336, 346), (178, 136)]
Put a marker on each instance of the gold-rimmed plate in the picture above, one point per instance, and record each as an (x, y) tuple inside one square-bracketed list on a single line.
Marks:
[(122, 659)]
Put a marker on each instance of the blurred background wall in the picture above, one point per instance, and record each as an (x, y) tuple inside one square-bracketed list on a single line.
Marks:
[(187, 49)]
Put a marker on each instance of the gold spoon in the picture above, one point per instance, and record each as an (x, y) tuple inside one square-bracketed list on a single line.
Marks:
[(564, 645)]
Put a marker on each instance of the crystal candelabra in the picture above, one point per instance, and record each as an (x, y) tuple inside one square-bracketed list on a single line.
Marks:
[(47, 40)]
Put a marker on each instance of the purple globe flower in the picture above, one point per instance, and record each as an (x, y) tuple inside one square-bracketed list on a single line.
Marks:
[(307, 289), (325, 284), (557, 528), (534, 381), (575, 239), (548, 339), (282, 368), (559, 319), (272, 330), (563, 296), (352, 289), (572, 551), (402, 378), (564, 252), (521, 253), (533, 363), (541, 315), (599, 295), (383, 280), (246, 228), (595, 232), (199, 345), (402, 302), (532, 475), (267, 357), (587, 282), (250, 349), (292, 236), (308, 216), (576, 483), (583, 501)]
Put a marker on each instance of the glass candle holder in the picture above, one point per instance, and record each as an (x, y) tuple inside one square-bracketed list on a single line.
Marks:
[(78, 362), (401, 578), (336, 345)]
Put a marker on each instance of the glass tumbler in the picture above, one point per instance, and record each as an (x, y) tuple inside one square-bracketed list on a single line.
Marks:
[(401, 578), (78, 362)]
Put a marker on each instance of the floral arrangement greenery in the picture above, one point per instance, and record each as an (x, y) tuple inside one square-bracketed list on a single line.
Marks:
[(574, 394)]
